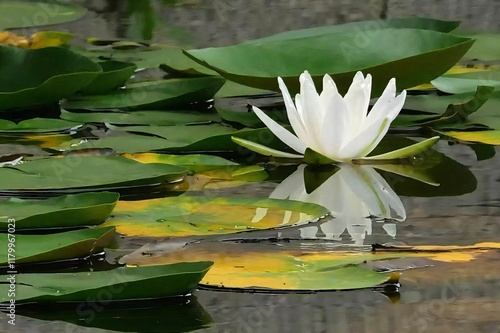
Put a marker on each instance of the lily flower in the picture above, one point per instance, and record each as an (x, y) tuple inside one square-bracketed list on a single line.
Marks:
[(339, 128), (353, 194)]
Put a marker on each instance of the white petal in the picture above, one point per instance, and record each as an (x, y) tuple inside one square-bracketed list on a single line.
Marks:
[(382, 103), (329, 88), (357, 100), (282, 133), (375, 128), (312, 112), (293, 115), (366, 141), (335, 128)]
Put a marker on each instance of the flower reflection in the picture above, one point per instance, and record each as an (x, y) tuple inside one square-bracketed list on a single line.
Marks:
[(354, 193)]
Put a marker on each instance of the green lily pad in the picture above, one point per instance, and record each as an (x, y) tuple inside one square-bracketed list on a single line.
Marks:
[(162, 117), (22, 14), (248, 119), (42, 76), (199, 215), (362, 26), (382, 55), (152, 95), (74, 244), (123, 283), (76, 174), (66, 211), (199, 138), (486, 48), (467, 82), (37, 125), (149, 57), (114, 75), (463, 111), (194, 162), (407, 180)]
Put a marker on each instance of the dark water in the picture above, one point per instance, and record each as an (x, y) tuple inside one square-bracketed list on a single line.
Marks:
[(448, 297)]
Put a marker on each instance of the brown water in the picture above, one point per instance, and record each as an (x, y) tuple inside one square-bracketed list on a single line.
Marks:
[(448, 297)]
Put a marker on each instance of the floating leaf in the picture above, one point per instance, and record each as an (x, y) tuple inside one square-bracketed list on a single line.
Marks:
[(75, 244), (491, 137), (406, 178), (486, 48), (249, 119), (475, 111), (38, 77), (467, 82), (149, 57), (37, 125), (258, 65), (196, 215), (61, 212), (197, 138), (254, 267), (22, 14), (123, 283), (85, 173), (162, 118), (152, 95), (365, 26), (113, 76), (195, 162)]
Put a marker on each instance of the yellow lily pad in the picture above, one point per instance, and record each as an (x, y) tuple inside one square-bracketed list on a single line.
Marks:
[(202, 215)]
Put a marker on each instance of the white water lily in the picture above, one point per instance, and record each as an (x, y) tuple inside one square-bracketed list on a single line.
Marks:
[(340, 128), (353, 194)]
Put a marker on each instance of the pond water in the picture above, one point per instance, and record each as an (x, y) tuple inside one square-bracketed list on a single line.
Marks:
[(437, 296)]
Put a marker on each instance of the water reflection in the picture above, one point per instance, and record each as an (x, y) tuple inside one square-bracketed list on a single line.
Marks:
[(182, 314), (353, 193)]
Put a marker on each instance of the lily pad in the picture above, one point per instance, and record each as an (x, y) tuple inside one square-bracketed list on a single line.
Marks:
[(42, 76), (429, 55), (152, 95), (114, 75), (22, 14), (486, 48), (199, 215), (490, 137), (467, 82), (149, 57), (75, 244), (199, 138), (161, 117), (37, 125), (123, 283), (462, 111), (364, 26), (254, 267), (195, 162), (61, 212), (75, 174)]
